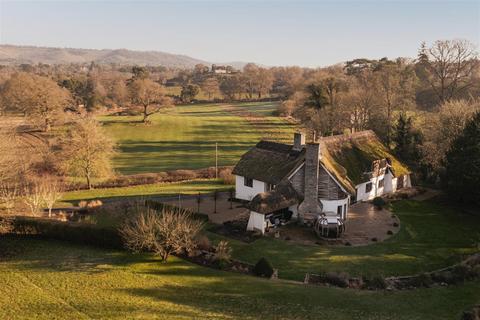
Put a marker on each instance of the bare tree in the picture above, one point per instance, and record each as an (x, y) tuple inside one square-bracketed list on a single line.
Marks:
[(86, 151), (442, 128), (447, 66), (396, 89), (149, 95), (9, 191), (33, 196), (163, 233), (51, 193), (211, 87)]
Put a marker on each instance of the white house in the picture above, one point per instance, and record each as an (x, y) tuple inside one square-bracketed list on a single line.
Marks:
[(307, 180)]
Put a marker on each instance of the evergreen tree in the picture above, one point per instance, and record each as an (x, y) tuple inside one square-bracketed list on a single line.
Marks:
[(407, 140), (317, 97), (462, 165)]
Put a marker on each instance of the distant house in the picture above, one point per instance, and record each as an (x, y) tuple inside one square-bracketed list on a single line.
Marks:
[(221, 69), (308, 179)]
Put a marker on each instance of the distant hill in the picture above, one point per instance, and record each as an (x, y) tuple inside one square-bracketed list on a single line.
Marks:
[(12, 54)]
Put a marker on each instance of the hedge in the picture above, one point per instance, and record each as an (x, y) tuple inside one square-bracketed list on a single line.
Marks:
[(79, 233), (160, 206)]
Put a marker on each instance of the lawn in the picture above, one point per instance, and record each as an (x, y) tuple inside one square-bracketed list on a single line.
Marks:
[(431, 237), (53, 280), (184, 137), (148, 190)]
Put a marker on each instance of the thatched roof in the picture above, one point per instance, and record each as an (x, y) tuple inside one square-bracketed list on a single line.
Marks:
[(269, 162), (282, 197), (350, 157), (347, 157)]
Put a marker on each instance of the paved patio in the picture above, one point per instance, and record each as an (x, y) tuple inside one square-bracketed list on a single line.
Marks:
[(223, 213), (364, 224)]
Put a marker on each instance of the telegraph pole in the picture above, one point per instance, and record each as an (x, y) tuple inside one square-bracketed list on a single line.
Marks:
[(216, 160)]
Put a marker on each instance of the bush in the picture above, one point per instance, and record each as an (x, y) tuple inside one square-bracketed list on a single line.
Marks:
[(227, 176), (422, 280), (389, 232), (223, 253), (379, 203), (473, 314), (375, 282), (80, 233), (6, 225), (263, 268), (203, 243), (341, 279)]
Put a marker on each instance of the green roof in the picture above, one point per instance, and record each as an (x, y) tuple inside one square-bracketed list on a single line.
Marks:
[(351, 156)]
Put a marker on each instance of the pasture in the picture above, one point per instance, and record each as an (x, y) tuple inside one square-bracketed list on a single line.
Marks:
[(184, 137), (54, 280)]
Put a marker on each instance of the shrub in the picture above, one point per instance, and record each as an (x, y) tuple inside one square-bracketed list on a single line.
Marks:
[(389, 232), (473, 314), (223, 253), (379, 203), (6, 225), (263, 268), (374, 239), (164, 233), (421, 280), (178, 175), (337, 279), (462, 272), (227, 176), (375, 282), (203, 243)]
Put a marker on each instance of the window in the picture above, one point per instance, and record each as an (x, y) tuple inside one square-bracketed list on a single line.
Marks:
[(381, 183), (345, 209), (368, 187), (339, 210), (248, 182), (270, 187)]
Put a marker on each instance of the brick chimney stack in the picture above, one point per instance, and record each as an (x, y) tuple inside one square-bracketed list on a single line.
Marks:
[(311, 206), (298, 141)]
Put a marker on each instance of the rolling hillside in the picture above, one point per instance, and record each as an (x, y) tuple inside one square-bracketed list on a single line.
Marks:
[(10, 54)]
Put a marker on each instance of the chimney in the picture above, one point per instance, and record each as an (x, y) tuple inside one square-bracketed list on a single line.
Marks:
[(311, 206), (298, 141)]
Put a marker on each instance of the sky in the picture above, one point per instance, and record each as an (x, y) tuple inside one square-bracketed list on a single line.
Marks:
[(304, 33)]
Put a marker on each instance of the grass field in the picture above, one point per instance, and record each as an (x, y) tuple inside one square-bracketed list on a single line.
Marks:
[(184, 137), (431, 237), (148, 190), (54, 280)]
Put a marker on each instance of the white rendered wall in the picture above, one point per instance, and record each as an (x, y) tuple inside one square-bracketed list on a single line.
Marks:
[(375, 192), (256, 222), (248, 193), (390, 185)]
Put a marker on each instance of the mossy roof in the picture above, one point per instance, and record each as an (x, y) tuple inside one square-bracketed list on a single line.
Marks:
[(269, 162), (350, 157)]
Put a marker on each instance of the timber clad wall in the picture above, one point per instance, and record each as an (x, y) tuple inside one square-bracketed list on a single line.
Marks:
[(328, 188)]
